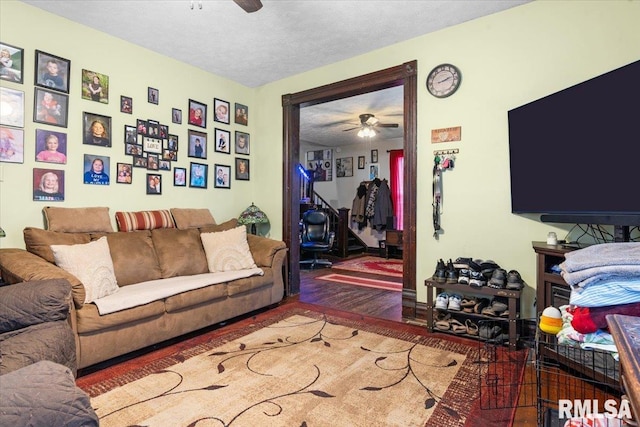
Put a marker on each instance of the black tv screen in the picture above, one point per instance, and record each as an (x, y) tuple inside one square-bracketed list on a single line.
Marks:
[(577, 151)]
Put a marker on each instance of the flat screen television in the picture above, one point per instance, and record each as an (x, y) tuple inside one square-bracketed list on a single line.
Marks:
[(575, 154)]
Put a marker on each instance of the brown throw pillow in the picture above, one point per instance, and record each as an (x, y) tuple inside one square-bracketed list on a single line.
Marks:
[(192, 218), (180, 252), (39, 241), (77, 220)]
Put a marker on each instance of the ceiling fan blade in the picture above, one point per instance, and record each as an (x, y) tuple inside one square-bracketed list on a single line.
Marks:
[(357, 127), (387, 125), (249, 6)]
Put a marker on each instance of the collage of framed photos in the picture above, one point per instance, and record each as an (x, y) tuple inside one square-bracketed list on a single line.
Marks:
[(147, 141)]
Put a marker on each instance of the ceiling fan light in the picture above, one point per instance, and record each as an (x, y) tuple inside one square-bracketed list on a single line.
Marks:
[(361, 133)]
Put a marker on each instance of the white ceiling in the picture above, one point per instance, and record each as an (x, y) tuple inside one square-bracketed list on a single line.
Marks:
[(284, 38)]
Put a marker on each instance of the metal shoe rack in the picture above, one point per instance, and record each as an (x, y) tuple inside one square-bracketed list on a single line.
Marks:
[(465, 290)]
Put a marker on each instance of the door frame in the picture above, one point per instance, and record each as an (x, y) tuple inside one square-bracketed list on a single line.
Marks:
[(401, 75)]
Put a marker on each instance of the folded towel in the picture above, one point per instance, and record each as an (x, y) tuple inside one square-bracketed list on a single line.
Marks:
[(606, 292), (587, 276), (622, 253)]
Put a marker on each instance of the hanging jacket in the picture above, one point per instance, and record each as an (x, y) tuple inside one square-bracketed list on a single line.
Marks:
[(383, 207), (358, 207)]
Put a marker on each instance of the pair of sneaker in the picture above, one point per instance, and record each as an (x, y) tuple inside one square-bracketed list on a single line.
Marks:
[(514, 280), (498, 279), (451, 302), (445, 273)]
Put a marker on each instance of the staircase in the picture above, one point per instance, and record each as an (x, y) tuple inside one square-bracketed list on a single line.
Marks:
[(346, 242)]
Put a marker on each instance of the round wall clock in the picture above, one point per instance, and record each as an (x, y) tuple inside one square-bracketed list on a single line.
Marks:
[(444, 80)]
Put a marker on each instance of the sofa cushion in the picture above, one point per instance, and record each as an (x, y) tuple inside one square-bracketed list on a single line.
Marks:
[(77, 220), (180, 252), (250, 284), (144, 220), (90, 320), (227, 250), (91, 263), (39, 241), (227, 225), (196, 297), (192, 218), (134, 257)]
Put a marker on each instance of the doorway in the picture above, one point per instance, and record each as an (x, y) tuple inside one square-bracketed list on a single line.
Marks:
[(402, 75)]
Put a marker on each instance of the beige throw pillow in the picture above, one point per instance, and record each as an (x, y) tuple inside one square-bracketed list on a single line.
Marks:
[(91, 263), (227, 250)]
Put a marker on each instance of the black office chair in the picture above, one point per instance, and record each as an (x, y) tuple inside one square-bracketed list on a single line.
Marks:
[(316, 237)]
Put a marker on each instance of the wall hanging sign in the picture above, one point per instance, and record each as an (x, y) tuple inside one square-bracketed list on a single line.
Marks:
[(446, 134)]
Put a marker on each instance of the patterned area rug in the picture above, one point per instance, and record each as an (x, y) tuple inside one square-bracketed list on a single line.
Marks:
[(371, 264), (297, 368), (362, 281)]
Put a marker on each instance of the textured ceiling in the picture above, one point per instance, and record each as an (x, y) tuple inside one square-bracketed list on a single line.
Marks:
[(284, 38)]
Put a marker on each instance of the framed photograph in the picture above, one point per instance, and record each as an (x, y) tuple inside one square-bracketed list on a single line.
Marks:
[(373, 172), (198, 175), (52, 71), (221, 111), (12, 111), (242, 169), (11, 63), (242, 143), (130, 134), (48, 185), (96, 169), (125, 173), (197, 114), (141, 126), (176, 116), (51, 147), (153, 162), (153, 129), (153, 95), (374, 156), (172, 143), (50, 107), (164, 131), (151, 145), (197, 144), (242, 114), (164, 165), (222, 174), (154, 183), (97, 129), (180, 177), (321, 163), (223, 144), (139, 162), (95, 87), (11, 145), (126, 104), (344, 167), (360, 162)]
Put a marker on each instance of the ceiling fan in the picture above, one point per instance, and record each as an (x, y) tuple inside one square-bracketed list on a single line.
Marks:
[(368, 123), (249, 6)]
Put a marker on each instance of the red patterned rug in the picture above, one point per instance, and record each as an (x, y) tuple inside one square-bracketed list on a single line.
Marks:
[(372, 264), (362, 281)]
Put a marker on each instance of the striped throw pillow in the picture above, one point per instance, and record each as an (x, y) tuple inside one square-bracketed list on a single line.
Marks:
[(144, 220)]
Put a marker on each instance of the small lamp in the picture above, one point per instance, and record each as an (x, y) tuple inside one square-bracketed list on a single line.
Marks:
[(253, 215)]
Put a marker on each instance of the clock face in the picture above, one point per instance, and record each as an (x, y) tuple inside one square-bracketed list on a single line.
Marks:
[(443, 80)]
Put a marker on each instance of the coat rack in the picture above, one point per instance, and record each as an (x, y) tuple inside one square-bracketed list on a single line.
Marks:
[(445, 152)]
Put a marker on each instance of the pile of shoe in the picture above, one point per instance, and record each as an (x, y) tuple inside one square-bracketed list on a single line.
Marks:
[(497, 307), (477, 273)]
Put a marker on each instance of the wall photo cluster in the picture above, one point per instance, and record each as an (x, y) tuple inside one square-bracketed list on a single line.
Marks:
[(151, 144)]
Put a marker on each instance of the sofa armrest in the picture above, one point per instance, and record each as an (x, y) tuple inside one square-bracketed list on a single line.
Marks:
[(32, 303), (18, 265), (264, 249)]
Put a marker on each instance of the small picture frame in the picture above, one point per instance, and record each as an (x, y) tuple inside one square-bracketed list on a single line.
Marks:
[(130, 134), (223, 141), (242, 169), (176, 116), (164, 165), (197, 144), (95, 86), (374, 156), (243, 143), (197, 114), (198, 175), (50, 107), (153, 95), (151, 145), (96, 169), (221, 111), (361, 162), (141, 126), (153, 162), (11, 145), (52, 72), (126, 104), (139, 162), (51, 147), (153, 129), (222, 175), (242, 114), (154, 183), (180, 177), (12, 111), (344, 167), (97, 129), (125, 173), (48, 185), (12, 63), (373, 172)]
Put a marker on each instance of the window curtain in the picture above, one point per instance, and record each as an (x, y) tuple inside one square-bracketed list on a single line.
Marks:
[(396, 166)]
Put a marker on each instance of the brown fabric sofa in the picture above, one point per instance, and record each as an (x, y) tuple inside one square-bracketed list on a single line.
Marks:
[(140, 256)]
